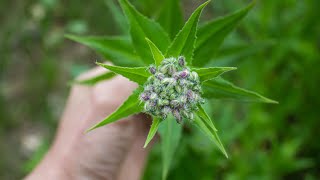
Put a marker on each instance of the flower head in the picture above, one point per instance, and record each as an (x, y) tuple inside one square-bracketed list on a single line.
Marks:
[(175, 89)]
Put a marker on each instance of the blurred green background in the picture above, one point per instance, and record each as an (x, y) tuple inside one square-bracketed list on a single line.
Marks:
[(276, 49)]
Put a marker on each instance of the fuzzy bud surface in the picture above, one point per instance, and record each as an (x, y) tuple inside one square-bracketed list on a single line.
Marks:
[(172, 89)]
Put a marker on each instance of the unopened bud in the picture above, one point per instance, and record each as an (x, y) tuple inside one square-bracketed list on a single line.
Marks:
[(184, 74), (144, 97), (174, 103), (181, 61), (152, 69), (160, 76), (164, 69), (153, 96), (177, 116), (194, 76), (178, 89)]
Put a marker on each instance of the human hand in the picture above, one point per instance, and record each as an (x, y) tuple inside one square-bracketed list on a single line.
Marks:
[(112, 152)]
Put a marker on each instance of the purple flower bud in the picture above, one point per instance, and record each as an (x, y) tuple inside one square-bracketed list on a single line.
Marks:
[(181, 61), (190, 95), (160, 76), (152, 69), (177, 115), (184, 74), (144, 97)]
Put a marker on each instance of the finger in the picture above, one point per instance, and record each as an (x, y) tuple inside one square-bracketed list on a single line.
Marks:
[(134, 163)]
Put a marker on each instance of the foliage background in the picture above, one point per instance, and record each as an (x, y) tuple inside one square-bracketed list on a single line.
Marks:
[(276, 49)]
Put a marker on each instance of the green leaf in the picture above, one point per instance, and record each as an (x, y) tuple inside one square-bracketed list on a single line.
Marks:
[(183, 43), (212, 34), (204, 127), (131, 106), (202, 113), (171, 17), (156, 53), (206, 74), (221, 89), (135, 74), (96, 79), (170, 132), (118, 50), (119, 18), (153, 130), (142, 27)]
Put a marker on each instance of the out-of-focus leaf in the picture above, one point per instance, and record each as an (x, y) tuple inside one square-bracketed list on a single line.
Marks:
[(96, 79), (142, 27), (208, 131), (119, 18), (171, 17), (170, 132), (153, 130), (212, 34), (131, 106), (156, 53), (221, 89), (233, 53), (135, 74), (118, 50), (202, 114), (183, 43), (206, 74)]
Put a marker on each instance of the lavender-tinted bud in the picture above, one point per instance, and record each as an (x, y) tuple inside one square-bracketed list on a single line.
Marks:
[(160, 76), (152, 69), (184, 73), (181, 61), (177, 115), (190, 95), (144, 97)]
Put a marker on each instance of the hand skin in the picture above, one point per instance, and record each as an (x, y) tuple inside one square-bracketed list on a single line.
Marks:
[(114, 151)]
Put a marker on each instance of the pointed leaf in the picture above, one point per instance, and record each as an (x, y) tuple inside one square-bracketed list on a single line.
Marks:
[(212, 34), (204, 127), (131, 106), (118, 16), (202, 114), (153, 130), (171, 17), (118, 50), (96, 79), (206, 74), (156, 53), (135, 74), (183, 43), (170, 132), (142, 27), (221, 89)]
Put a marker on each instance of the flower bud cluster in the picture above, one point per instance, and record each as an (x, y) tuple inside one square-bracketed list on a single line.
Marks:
[(172, 88)]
